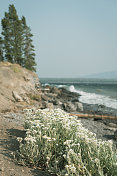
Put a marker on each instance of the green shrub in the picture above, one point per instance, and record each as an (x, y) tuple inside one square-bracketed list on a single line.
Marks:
[(59, 143), (16, 68), (36, 97)]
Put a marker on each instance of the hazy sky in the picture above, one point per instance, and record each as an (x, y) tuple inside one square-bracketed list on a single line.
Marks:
[(71, 37)]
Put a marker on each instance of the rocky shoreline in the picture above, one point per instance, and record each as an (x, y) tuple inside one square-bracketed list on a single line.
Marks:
[(11, 127), (21, 89), (105, 129), (69, 101), (53, 97)]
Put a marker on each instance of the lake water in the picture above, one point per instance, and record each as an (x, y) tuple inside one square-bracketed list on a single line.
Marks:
[(92, 91)]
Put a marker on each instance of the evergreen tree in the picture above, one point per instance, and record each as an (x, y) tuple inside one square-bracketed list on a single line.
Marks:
[(6, 36), (28, 47), (1, 50), (17, 40), (12, 33)]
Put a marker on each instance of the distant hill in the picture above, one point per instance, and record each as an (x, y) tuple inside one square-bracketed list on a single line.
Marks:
[(104, 75)]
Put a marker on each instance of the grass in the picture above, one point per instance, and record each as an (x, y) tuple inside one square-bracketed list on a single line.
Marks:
[(16, 68), (59, 143)]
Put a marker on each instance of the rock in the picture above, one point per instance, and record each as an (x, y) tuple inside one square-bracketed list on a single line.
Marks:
[(17, 97), (115, 135), (42, 105), (45, 90), (26, 78), (69, 107), (72, 107), (61, 98), (79, 106), (49, 106), (57, 102), (113, 125), (26, 99), (48, 87), (55, 90), (67, 95), (75, 100), (45, 104), (51, 95), (37, 85), (44, 97), (99, 109)]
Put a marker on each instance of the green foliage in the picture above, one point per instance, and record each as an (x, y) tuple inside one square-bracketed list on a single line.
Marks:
[(28, 49), (12, 33), (1, 49), (62, 145), (17, 42), (36, 97), (16, 69)]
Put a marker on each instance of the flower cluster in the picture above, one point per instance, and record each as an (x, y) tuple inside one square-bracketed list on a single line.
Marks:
[(59, 142)]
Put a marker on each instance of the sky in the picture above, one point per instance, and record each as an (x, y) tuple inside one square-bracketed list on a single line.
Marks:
[(72, 38)]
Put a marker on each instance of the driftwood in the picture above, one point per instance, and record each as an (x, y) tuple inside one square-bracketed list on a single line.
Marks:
[(94, 116)]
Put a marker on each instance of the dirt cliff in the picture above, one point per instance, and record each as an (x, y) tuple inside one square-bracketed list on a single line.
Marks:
[(17, 84)]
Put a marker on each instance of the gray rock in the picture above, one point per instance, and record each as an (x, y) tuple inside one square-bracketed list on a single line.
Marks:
[(55, 90), (51, 95), (69, 107), (113, 125), (44, 97), (56, 102), (79, 106), (43, 105), (75, 100)]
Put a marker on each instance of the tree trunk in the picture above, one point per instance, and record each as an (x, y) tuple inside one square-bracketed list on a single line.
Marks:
[(94, 116)]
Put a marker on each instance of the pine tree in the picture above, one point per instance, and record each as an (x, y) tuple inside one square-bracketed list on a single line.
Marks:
[(1, 50), (28, 47), (12, 33), (17, 40), (6, 40)]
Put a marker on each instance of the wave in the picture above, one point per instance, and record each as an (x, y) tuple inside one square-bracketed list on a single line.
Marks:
[(92, 98), (59, 86)]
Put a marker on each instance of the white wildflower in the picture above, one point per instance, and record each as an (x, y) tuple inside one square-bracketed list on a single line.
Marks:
[(46, 137), (19, 139)]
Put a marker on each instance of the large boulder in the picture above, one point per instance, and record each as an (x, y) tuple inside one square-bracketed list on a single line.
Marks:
[(69, 107), (79, 106), (72, 107)]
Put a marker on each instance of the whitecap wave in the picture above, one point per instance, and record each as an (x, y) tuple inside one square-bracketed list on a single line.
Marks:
[(92, 98), (60, 86)]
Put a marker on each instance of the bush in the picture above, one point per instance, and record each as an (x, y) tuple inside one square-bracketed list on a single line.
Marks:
[(16, 68), (58, 142), (36, 97)]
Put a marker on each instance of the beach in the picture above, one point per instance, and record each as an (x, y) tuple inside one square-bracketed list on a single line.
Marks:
[(52, 97)]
